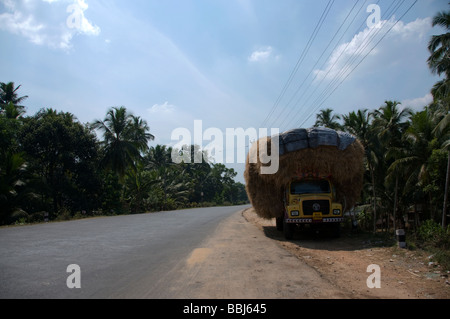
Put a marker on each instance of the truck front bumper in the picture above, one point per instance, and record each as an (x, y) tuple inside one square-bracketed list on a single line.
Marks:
[(310, 220)]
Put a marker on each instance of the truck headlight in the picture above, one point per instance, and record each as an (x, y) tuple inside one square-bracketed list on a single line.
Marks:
[(336, 211), (295, 213)]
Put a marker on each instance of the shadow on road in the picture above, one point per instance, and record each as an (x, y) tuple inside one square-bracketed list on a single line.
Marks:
[(323, 239)]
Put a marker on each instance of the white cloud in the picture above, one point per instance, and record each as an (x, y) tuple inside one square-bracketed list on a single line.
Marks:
[(347, 55), (25, 26), (261, 55), (418, 103), (414, 30), (164, 108), (47, 22)]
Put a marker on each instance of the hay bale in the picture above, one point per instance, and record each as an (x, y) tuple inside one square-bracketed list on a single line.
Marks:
[(303, 152)]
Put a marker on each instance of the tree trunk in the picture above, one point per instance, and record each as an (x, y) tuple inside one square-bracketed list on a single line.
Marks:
[(444, 209)]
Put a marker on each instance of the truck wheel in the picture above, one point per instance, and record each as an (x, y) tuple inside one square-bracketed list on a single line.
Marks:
[(279, 221), (288, 230)]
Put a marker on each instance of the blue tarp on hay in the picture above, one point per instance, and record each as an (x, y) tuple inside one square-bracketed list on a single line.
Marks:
[(299, 139)]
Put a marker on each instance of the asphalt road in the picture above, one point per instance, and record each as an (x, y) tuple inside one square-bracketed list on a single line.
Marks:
[(118, 257)]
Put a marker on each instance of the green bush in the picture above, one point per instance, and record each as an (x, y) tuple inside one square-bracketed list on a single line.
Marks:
[(432, 237), (37, 217), (431, 232), (79, 215), (18, 217), (63, 215)]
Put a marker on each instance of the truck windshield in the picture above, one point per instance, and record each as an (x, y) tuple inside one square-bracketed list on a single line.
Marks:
[(310, 187)]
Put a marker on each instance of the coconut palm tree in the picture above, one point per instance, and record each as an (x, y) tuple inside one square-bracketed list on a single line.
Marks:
[(360, 124), (174, 186), (439, 63), (124, 138), (439, 60), (138, 132), (439, 46), (412, 156), (138, 184), (441, 89), (326, 118), (390, 123), (12, 170), (9, 94), (442, 133), (12, 111), (159, 156)]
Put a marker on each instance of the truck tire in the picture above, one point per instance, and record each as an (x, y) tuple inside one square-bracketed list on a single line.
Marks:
[(279, 221), (288, 230)]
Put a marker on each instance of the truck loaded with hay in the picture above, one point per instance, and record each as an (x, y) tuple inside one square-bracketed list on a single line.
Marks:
[(319, 178)]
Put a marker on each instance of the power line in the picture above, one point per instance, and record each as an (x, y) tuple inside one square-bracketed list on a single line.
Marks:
[(288, 117), (341, 76), (348, 62), (320, 100), (359, 62), (371, 34), (300, 59), (312, 69)]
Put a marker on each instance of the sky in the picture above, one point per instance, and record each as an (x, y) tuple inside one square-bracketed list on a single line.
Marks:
[(227, 63)]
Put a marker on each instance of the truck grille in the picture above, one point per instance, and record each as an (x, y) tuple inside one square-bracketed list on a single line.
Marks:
[(312, 206)]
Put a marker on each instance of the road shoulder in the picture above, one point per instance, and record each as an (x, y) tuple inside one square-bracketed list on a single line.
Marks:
[(240, 262), (343, 262)]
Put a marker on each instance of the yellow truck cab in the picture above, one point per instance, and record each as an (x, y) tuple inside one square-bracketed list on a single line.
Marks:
[(310, 201)]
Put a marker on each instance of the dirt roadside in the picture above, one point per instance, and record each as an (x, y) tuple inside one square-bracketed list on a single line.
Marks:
[(343, 263), (239, 262)]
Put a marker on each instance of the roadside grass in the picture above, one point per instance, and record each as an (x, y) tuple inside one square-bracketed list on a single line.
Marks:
[(429, 238)]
